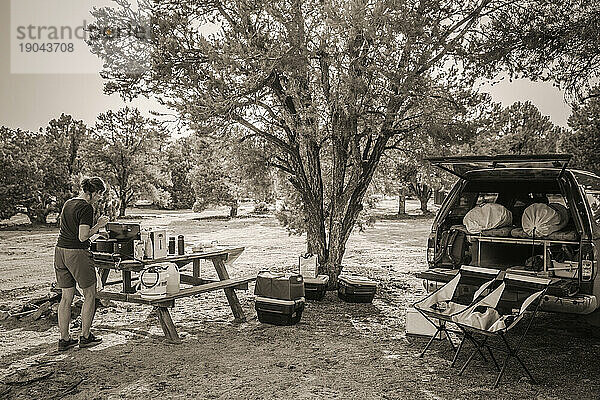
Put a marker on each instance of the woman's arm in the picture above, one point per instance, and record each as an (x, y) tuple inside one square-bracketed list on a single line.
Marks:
[(85, 232)]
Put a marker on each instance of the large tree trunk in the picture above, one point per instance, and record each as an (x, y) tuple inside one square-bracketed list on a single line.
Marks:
[(424, 196), (122, 203), (401, 203), (37, 217), (233, 211)]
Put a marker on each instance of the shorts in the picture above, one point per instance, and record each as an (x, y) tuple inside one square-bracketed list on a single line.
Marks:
[(74, 265)]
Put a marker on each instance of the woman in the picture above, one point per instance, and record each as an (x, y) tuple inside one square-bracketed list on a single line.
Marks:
[(73, 262)]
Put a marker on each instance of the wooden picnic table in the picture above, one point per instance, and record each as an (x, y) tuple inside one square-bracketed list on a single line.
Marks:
[(221, 257)]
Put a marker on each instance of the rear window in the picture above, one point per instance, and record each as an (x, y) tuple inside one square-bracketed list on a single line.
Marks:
[(591, 187), (593, 199), (516, 202), (484, 198)]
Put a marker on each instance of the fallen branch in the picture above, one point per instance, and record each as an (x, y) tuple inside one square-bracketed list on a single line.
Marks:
[(23, 313)]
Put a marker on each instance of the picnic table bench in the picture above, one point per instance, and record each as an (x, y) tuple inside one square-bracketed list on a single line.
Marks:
[(220, 257)]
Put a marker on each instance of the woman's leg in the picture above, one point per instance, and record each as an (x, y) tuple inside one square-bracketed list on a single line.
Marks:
[(88, 310), (64, 312)]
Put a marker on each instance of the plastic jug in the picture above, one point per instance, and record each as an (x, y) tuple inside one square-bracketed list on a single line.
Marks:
[(173, 281), (153, 282)]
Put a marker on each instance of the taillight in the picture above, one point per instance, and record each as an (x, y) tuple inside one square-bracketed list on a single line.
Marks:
[(587, 263), (431, 249)]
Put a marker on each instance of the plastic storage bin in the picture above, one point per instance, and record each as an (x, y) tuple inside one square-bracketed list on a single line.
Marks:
[(279, 286), (315, 288), (279, 312), (356, 289)]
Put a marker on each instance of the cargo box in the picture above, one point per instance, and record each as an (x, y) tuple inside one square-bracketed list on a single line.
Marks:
[(315, 288), (279, 286), (356, 289), (279, 312)]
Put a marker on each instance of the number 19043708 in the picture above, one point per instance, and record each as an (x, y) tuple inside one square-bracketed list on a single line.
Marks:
[(47, 47)]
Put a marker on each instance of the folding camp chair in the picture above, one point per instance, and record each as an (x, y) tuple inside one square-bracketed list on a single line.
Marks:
[(439, 307), (494, 315)]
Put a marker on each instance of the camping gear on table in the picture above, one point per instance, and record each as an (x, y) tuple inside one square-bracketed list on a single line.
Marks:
[(159, 243), (122, 231), (138, 249), (315, 288), (103, 245), (279, 286), (541, 219), (487, 216), (279, 312), (496, 314), (171, 245), (173, 279), (308, 265), (155, 243), (356, 289), (123, 236), (180, 245), (439, 307), (153, 282)]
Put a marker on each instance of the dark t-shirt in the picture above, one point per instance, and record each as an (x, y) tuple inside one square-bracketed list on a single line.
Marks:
[(75, 212)]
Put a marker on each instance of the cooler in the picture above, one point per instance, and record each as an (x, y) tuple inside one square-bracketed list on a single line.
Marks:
[(279, 286), (356, 289), (279, 312), (315, 288)]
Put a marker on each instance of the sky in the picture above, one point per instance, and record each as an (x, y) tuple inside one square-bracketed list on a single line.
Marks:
[(28, 101)]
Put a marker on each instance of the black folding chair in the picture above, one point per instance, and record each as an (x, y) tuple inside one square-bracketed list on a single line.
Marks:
[(440, 306), (495, 315)]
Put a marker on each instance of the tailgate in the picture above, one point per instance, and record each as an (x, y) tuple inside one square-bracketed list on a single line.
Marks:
[(558, 287)]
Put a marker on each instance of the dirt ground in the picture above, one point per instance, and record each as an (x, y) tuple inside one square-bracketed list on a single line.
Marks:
[(337, 351)]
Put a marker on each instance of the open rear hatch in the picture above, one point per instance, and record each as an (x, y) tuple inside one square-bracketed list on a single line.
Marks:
[(461, 166)]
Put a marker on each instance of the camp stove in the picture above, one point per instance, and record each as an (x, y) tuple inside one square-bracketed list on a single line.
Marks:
[(121, 239)]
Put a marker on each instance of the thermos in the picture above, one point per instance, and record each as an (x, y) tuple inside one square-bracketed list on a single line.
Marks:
[(180, 245), (171, 245)]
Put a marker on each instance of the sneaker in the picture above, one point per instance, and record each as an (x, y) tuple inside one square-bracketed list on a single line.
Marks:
[(89, 341), (64, 345)]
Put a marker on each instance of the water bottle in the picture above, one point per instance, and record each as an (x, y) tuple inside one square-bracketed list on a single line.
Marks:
[(180, 245), (172, 245)]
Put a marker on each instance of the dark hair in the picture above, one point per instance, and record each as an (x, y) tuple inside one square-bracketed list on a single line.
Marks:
[(93, 185)]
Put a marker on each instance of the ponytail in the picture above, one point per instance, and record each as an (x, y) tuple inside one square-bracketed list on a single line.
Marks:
[(93, 185)]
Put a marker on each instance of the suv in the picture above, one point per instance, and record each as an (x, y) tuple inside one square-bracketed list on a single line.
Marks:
[(568, 256)]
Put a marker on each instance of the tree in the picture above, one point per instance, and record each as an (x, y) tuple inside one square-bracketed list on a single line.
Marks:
[(62, 140), (517, 129), (543, 40), (39, 170), (21, 172), (583, 141), (126, 148), (329, 86), (182, 156), (228, 173)]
